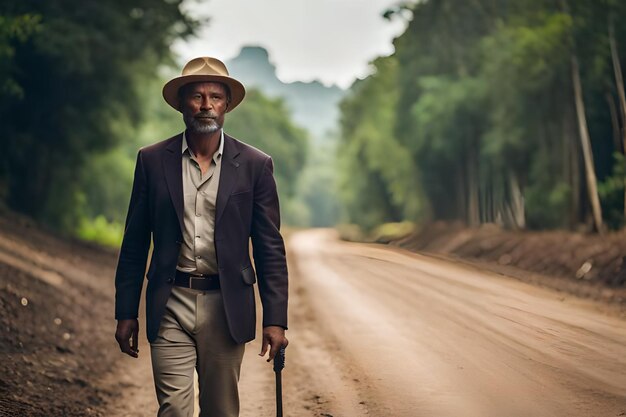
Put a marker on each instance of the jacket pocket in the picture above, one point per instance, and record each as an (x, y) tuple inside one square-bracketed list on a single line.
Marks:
[(248, 275), (241, 196)]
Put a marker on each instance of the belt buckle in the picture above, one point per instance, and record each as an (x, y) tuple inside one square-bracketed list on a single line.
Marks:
[(192, 277)]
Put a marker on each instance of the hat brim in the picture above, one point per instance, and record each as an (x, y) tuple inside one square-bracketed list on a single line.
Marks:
[(170, 89)]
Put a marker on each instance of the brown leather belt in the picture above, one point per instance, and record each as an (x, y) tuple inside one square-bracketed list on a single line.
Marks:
[(197, 282)]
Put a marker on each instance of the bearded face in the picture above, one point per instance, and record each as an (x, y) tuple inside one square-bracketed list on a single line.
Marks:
[(203, 106)]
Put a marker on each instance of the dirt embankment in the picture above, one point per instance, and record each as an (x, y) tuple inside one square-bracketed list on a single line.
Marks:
[(586, 265), (56, 309)]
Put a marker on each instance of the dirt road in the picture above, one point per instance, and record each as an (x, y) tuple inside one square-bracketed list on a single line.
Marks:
[(374, 331), (382, 332)]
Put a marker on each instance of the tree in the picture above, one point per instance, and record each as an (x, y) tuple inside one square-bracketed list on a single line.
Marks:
[(377, 180), (489, 110), (76, 77), (265, 123)]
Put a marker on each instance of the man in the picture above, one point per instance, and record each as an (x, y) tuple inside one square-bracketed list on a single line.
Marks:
[(199, 197)]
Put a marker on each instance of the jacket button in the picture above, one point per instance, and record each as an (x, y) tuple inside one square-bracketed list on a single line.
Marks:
[(170, 280)]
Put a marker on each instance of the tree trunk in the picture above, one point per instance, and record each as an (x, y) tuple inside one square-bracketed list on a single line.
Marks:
[(488, 196), (615, 124), (461, 209), (590, 172), (575, 173), (571, 168), (473, 212), (619, 83), (517, 203)]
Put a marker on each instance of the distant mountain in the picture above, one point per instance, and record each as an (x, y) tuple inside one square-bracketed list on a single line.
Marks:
[(313, 105)]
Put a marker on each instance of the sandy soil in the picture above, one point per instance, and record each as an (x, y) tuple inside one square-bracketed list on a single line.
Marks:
[(410, 335), (374, 330), (55, 316)]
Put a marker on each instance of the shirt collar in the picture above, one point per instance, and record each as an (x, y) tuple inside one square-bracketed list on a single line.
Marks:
[(220, 149)]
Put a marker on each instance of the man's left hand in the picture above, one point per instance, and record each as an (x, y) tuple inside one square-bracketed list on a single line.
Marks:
[(274, 337)]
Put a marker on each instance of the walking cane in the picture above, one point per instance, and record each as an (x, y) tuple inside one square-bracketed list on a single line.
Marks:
[(279, 364)]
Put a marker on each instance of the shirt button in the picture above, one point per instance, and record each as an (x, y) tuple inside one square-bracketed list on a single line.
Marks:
[(197, 214), (170, 280), (197, 237), (198, 257)]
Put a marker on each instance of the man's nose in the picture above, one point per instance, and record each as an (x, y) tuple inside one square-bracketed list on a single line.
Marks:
[(205, 104)]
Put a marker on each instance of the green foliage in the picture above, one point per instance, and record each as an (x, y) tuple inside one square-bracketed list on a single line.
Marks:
[(450, 115), (478, 99), (14, 30), (612, 191), (377, 179), (74, 69), (106, 181), (265, 123), (388, 232), (525, 67), (101, 231), (547, 198), (384, 233), (317, 189), (106, 185)]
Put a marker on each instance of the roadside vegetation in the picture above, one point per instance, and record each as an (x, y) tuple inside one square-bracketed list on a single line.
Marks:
[(507, 112), (489, 112), (80, 93)]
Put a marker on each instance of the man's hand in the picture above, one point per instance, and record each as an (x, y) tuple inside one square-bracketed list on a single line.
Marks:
[(127, 330), (274, 337)]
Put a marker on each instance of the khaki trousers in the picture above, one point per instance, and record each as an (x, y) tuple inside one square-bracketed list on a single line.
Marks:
[(194, 334)]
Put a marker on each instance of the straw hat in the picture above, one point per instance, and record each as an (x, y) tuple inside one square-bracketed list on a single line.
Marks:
[(204, 69)]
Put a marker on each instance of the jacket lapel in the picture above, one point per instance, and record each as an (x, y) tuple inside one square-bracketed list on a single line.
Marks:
[(228, 175), (173, 168)]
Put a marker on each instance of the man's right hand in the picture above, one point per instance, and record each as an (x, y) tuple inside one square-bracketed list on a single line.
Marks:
[(127, 330)]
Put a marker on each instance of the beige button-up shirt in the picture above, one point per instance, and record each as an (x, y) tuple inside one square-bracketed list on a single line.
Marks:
[(197, 253)]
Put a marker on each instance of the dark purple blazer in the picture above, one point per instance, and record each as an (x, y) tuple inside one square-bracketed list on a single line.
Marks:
[(246, 207)]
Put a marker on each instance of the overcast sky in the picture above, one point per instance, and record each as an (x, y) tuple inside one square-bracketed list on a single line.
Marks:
[(328, 40)]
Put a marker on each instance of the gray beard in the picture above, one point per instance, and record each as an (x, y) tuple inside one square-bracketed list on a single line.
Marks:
[(196, 126)]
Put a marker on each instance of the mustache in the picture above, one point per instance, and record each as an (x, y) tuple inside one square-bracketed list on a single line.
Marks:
[(205, 114)]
